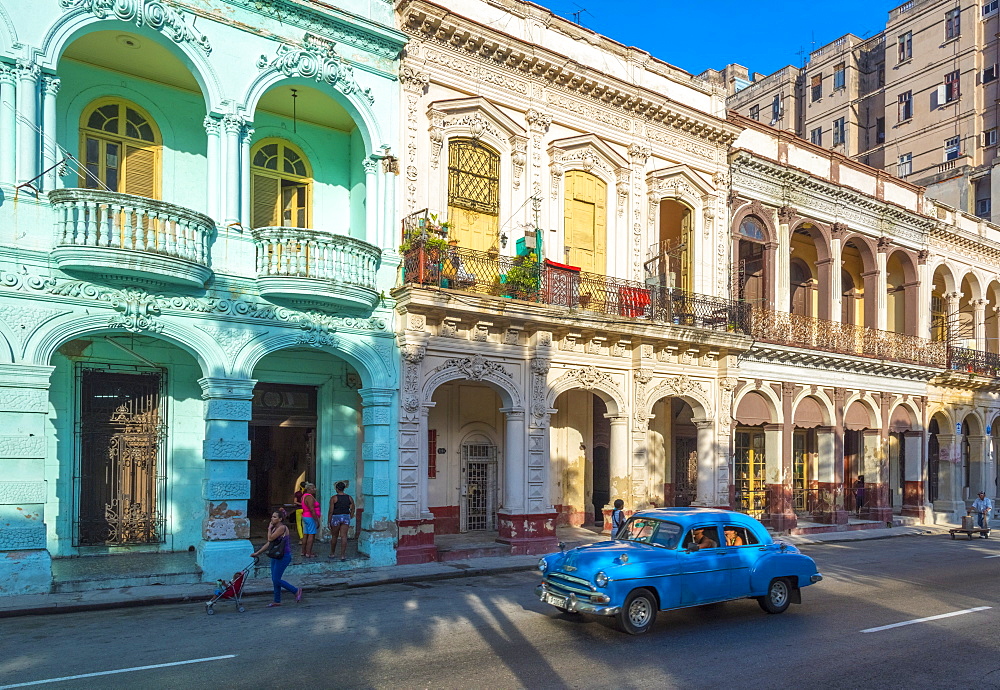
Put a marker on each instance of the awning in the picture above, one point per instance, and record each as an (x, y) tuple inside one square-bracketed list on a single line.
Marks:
[(753, 410), (808, 414), (857, 417)]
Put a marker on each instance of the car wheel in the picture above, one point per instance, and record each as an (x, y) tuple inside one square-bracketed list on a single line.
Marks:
[(638, 613), (778, 597)]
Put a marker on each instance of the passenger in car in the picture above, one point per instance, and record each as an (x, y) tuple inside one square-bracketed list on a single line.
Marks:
[(732, 536), (700, 540)]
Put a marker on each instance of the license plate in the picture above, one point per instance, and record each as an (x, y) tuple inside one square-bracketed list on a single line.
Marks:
[(554, 600)]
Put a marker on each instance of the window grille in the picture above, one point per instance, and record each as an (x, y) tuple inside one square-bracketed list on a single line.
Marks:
[(473, 177)]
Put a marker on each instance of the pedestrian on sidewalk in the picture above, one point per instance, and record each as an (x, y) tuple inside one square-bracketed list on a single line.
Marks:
[(982, 507), (341, 514), (617, 518), (297, 496), (311, 514), (859, 494), (278, 535)]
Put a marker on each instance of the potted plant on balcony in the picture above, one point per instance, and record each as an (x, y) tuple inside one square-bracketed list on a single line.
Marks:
[(521, 281)]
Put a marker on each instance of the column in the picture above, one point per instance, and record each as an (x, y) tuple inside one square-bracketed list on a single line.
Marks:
[(952, 306), (618, 461), (526, 532), (213, 188), (873, 314), (25, 563), (8, 126), (414, 520), (780, 515), (881, 301), (706, 464), (782, 269), (225, 544), (50, 149), (374, 200), (770, 272), (246, 136), (824, 277), (913, 475), (27, 120), (377, 539), (979, 323), (232, 127), (830, 506), (950, 501), (923, 304), (980, 476), (836, 269), (876, 471)]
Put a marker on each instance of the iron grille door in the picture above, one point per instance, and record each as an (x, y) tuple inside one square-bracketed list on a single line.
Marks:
[(685, 471), (480, 462), (121, 473)]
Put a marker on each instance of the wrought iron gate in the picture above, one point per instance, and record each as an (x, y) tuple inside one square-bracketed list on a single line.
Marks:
[(685, 471), (121, 474), (479, 460)]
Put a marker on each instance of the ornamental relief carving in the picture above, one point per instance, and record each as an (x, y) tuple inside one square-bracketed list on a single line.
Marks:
[(477, 368), (681, 386), (152, 13), (316, 60)]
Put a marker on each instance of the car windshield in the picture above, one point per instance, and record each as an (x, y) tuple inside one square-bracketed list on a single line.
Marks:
[(647, 531)]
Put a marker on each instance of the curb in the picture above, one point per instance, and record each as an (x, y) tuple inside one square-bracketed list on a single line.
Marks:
[(324, 587)]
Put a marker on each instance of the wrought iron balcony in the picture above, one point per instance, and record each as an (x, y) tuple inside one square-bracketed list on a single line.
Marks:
[(309, 267), (129, 236), (553, 284), (782, 328), (974, 362)]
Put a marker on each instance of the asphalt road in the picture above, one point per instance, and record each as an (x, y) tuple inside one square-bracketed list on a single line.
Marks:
[(491, 632)]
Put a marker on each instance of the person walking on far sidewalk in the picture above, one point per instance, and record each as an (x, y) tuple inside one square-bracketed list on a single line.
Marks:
[(341, 514), (617, 518), (859, 494), (982, 507), (311, 513), (277, 533)]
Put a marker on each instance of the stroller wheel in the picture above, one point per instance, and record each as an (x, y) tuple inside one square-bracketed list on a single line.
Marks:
[(209, 610), (242, 609)]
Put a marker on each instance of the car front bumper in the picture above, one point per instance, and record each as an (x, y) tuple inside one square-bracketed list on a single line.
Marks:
[(574, 603)]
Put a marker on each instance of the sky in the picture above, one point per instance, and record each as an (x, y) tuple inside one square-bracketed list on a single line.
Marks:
[(695, 36)]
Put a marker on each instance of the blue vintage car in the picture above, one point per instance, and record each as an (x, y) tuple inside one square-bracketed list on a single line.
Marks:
[(671, 558)]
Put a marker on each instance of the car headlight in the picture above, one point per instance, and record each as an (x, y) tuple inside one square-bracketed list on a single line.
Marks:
[(601, 579), (542, 565)]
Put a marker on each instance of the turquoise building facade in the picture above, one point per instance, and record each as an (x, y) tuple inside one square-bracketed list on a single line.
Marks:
[(196, 239)]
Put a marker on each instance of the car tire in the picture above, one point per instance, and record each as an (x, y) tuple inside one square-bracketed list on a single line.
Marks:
[(778, 597), (638, 613)]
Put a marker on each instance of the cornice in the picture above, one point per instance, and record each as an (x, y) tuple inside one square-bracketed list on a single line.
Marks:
[(436, 24)]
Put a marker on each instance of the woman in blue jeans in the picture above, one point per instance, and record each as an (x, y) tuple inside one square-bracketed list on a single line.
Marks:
[(278, 530)]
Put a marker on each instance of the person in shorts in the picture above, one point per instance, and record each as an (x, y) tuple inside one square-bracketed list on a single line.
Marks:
[(311, 514), (341, 513)]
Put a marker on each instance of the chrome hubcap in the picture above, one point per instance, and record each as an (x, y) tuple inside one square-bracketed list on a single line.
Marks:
[(779, 593), (638, 612)]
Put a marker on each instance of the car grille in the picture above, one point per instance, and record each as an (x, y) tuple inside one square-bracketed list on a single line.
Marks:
[(562, 583)]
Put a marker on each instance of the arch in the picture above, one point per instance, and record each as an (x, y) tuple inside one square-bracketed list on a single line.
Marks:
[(763, 216), (682, 388), (860, 413), (975, 286), (476, 369), (754, 407), (945, 420), (118, 124), (907, 263), (903, 417), (943, 270), (280, 177), (810, 411), (866, 247), (43, 345), (7, 352), (74, 24), (594, 380), (8, 32), (977, 427), (370, 361), (817, 232)]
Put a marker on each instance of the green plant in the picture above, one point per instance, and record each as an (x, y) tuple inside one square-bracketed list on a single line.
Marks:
[(522, 278), (430, 243)]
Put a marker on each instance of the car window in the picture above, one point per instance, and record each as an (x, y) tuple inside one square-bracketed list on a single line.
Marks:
[(638, 530), (738, 536), (667, 535), (699, 538)]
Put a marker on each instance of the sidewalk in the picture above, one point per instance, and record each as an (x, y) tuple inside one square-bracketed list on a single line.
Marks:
[(260, 586)]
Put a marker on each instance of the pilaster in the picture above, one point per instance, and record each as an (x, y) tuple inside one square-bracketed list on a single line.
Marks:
[(378, 527)]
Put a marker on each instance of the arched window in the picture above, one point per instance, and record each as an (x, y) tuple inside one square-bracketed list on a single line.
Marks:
[(752, 229), (280, 186), (586, 213), (120, 146), (473, 194), (751, 272)]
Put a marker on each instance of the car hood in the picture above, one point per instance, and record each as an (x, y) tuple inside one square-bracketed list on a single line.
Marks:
[(585, 561)]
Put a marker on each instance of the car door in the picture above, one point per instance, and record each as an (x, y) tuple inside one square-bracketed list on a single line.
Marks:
[(705, 572), (743, 548)]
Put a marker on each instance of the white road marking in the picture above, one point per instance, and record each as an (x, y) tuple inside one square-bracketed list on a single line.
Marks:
[(121, 670), (918, 620), (997, 556)]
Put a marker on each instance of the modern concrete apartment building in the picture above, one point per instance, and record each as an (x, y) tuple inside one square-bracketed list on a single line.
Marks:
[(917, 100)]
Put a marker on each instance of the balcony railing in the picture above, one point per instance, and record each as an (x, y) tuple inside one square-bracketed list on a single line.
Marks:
[(304, 253), (95, 228), (553, 284), (309, 267), (783, 328), (974, 361)]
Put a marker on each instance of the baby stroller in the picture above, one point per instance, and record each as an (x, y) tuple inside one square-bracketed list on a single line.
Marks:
[(231, 590)]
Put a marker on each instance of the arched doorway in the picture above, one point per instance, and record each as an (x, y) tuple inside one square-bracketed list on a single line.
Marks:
[(756, 447), (579, 435), (810, 428), (901, 465), (673, 444), (751, 272)]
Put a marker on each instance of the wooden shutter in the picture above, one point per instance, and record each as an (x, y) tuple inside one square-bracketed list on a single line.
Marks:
[(264, 195), (600, 200), (140, 172)]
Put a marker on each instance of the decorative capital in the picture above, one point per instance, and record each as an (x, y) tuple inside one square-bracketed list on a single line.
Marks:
[(639, 154), (412, 79), (884, 243), (786, 214), (370, 166), (212, 125), (536, 119), (27, 69), (217, 387), (413, 354), (50, 85), (838, 230), (233, 123)]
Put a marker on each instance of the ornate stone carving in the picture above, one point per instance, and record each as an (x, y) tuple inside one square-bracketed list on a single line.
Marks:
[(152, 13), (518, 158), (316, 60), (639, 154), (537, 119), (476, 368), (640, 415), (137, 312), (539, 408), (414, 353), (231, 340), (412, 79), (24, 320), (681, 386), (318, 335)]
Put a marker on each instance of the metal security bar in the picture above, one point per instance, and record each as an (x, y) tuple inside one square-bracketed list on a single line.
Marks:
[(974, 361)]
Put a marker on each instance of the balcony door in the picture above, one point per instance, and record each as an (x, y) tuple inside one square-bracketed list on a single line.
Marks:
[(473, 194), (280, 186), (586, 221), (748, 471), (120, 149)]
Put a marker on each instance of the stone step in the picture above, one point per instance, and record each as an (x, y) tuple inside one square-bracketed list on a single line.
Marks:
[(118, 581), (465, 551)]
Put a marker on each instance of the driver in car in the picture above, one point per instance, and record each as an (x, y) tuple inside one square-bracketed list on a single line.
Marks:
[(699, 540)]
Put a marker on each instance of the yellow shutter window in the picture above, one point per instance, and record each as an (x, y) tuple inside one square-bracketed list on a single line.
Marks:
[(265, 194), (140, 172)]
